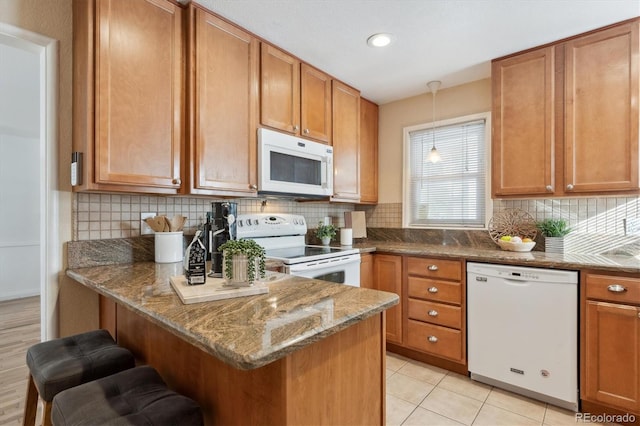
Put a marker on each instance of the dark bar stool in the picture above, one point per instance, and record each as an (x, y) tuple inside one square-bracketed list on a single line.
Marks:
[(60, 364), (132, 397)]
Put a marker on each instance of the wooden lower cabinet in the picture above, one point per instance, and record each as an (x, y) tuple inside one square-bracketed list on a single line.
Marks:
[(387, 276), (337, 380), (429, 324), (366, 271), (610, 343)]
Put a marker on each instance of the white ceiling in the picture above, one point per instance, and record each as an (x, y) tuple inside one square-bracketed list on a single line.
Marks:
[(448, 40)]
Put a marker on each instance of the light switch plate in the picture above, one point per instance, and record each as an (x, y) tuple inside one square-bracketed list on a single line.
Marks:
[(144, 228)]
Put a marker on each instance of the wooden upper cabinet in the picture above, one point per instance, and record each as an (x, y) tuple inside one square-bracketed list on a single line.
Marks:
[(279, 90), (346, 143), (223, 103), (295, 97), (565, 116), (523, 124), (128, 106), (368, 152), (601, 114), (315, 104)]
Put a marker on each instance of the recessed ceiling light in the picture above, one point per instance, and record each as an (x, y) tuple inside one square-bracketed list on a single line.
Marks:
[(380, 40)]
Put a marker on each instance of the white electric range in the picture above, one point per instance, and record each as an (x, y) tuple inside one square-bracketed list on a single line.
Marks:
[(283, 238)]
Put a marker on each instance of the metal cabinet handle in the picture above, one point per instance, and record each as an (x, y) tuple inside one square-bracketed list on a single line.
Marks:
[(295, 128), (433, 289), (432, 313), (570, 187), (177, 181), (432, 267), (617, 288), (549, 188), (432, 339), (253, 186), (306, 131)]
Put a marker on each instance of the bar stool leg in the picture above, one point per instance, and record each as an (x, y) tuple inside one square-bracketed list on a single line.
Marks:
[(30, 404), (46, 414)]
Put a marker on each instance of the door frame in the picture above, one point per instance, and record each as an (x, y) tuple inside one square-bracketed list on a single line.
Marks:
[(50, 246)]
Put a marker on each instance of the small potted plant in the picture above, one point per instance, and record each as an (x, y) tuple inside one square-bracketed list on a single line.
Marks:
[(326, 233), (243, 262), (554, 231)]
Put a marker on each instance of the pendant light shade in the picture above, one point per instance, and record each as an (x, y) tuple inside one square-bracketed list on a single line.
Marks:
[(434, 155)]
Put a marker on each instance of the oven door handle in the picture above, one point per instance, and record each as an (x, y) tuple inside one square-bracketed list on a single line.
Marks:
[(323, 263)]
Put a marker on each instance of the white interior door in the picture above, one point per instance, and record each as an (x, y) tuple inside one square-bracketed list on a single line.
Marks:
[(20, 173)]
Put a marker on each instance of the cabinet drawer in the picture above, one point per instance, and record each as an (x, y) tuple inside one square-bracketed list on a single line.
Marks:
[(434, 290), (435, 313), (612, 288), (434, 268), (434, 339)]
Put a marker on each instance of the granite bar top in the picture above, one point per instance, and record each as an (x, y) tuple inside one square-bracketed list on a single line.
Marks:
[(245, 332), (573, 261)]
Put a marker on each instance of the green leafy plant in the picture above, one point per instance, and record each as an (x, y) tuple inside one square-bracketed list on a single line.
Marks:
[(553, 227), (249, 248), (324, 231)]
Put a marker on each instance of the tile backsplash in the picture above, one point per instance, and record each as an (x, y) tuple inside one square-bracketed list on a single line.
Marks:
[(102, 216), (597, 222)]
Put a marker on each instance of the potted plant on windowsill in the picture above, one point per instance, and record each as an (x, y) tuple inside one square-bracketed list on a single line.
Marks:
[(326, 233), (242, 262), (554, 231)]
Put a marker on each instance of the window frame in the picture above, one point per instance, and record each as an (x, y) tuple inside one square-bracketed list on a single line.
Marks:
[(406, 169)]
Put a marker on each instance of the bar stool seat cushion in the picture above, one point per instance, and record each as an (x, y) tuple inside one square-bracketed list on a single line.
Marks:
[(137, 396), (60, 364)]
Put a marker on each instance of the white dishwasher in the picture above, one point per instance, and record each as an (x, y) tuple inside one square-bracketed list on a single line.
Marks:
[(522, 328)]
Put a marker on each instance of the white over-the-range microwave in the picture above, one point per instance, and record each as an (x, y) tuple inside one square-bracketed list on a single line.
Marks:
[(288, 165)]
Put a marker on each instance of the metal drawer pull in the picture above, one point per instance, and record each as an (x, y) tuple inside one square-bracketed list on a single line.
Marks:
[(617, 288), (433, 289), (432, 267), (432, 339), (433, 313)]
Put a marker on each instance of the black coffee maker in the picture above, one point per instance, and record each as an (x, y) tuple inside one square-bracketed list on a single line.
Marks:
[(219, 228)]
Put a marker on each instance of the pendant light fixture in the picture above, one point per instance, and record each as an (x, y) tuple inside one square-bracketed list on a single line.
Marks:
[(434, 155)]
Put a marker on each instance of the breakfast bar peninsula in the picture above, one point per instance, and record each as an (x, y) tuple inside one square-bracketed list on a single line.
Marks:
[(306, 352)]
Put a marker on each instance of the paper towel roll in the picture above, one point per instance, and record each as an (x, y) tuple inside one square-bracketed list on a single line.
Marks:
[(346, 236)]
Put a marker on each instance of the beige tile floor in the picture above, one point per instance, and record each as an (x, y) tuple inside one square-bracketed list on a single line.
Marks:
[(423, 395)]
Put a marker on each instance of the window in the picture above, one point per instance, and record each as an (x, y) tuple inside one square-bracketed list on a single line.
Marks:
[(452, 193)]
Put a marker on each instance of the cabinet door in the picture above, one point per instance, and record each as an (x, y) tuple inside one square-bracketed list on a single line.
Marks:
[(368, 152), (601, 114), (612, 355), (346, 143), (138, 93), (523, 124), (224, 106), (387, 276), (315, 104), (366, 271), (280, 90)]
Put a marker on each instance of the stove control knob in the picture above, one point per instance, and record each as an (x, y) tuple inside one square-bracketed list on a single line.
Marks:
[(240, 223), (295, 221), (255, 221), (272, 219)]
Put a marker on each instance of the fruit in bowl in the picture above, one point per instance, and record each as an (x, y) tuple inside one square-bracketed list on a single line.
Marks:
[(516, 243)]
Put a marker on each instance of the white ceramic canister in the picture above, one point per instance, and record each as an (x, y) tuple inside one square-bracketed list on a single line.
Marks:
[(169, 247), (346, 236)]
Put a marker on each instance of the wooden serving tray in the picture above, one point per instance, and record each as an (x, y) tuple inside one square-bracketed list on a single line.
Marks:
[(213, 289)]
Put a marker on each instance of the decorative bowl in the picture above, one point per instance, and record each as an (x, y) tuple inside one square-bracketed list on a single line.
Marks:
[(510, 246)]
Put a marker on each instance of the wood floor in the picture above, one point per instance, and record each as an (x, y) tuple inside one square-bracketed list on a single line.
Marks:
[(19, 329)]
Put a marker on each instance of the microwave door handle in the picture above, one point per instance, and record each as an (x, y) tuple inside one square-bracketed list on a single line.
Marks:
[(326, 176)]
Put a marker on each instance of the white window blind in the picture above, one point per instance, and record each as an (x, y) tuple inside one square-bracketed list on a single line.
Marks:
[(453, 192)]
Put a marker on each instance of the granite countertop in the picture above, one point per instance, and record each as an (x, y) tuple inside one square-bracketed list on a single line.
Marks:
[(245, 332), (629, 264)]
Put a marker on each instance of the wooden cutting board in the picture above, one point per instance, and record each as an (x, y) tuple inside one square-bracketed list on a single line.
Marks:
[(213, 289)]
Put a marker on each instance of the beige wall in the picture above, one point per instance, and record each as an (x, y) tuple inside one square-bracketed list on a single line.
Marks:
[(53, 19), (456, 101)]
